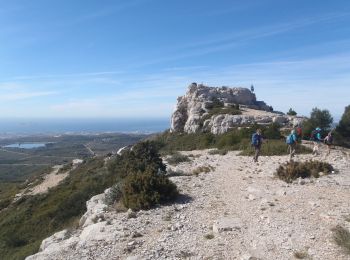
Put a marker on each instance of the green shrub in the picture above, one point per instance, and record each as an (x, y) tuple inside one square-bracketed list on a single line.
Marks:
[(142, 156), (341, 237), (342, 132), (272, 131), (293, 170), (33, 218), (291, 112), (177, 158), (318, 118), (143, 190), (221, 111)]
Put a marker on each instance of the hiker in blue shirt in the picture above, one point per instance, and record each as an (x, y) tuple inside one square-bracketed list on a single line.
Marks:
[(256, 142), (316, 138), (292, 140)]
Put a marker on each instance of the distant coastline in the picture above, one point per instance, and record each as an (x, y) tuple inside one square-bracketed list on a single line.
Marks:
[(81, 126)]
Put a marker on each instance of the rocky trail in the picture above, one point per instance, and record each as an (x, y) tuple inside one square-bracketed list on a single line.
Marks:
[(238, 210)]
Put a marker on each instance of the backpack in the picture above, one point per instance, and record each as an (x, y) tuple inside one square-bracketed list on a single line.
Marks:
[(290, 139), (299, 131), (255, 139), (313, 135)]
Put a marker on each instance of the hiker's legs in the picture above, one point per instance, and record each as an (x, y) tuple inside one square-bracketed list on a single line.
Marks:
[(291, 148), (257, 151), (328, 149), (315, 149)]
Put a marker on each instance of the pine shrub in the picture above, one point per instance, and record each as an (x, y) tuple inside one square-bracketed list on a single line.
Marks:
[(293, 170), (143, 190)]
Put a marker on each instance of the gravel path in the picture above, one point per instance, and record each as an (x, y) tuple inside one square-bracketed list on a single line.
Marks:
[(239, 210)]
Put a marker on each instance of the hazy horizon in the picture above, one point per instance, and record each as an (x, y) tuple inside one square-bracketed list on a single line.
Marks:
[(64, 59)]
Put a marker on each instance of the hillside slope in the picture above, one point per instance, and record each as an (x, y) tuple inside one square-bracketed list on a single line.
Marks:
[(239, 210)]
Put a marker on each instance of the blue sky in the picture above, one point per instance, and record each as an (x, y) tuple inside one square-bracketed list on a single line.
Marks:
[(132, 58)]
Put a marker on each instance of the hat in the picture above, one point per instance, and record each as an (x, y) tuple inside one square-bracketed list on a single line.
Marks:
[(318, 129)]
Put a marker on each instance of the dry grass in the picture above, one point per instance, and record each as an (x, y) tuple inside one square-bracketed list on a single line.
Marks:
[(209, 236), (202, 169), (341, 237), (293, 170)]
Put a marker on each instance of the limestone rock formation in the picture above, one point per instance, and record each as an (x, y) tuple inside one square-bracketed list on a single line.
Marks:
[(194, 110)]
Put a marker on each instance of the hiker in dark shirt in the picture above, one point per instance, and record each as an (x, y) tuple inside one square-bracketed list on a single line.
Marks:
[(316, 138), (256, 143)]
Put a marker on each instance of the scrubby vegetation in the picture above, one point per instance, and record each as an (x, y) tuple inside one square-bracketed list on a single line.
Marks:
[(171, 173), (217, 107), (291, 112), (26, 222), (222, 111), (236, 139), (318, 118), (147, 189), (341, 237), (273, 147), (218, 151), (301, 254), (141, 175), (202, 169), (177, 158), (293, 170), (342, 132)]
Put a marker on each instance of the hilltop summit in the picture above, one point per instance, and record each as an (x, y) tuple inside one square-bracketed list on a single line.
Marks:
[(217, 109)]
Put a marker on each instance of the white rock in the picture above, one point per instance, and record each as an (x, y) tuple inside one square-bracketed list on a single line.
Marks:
[(227, 224)]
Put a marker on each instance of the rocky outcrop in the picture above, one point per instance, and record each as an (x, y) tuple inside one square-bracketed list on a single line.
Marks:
[(192, 110)]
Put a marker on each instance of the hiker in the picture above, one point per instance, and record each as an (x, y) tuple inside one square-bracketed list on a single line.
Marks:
[(292, 143), (256, 142), (299, 133), (329, 142), (316, 138)]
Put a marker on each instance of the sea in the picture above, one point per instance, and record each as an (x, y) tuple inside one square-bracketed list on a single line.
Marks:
[(81, 126)]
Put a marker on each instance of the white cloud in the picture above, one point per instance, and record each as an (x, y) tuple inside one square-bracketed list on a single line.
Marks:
[(13, 96)]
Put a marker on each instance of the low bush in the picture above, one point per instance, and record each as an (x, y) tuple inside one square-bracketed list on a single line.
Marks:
[(172, 173), (202, 169), (209, 236), (177, 158), (221, 111), (235, 139), (144, 190), (301, 254), (65, 168), (218, 151), (341, 237), (293, 170)]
